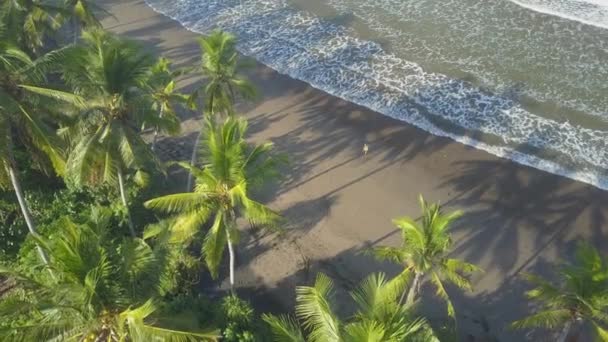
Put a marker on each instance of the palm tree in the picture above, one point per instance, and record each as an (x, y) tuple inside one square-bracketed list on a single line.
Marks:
[(165, 98), (111, 74), (103, 289), (29, 22), (380, 317), (580, 297), (423, 253), (231, 169), (81, 15), (24, 119), (221, 67)]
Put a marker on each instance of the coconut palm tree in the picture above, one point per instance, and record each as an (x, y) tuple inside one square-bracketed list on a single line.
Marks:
[(24, 119), (423, 253), (165, 97), (111, 74), (231, 170), (81, 15), (221, 67), (103, 289), (580, 298), (380, 317), (30, 22), (83, 12)]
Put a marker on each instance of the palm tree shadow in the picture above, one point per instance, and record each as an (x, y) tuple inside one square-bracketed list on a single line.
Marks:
[(512, 204)]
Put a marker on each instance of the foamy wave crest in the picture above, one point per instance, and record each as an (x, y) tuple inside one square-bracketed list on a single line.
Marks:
[(591, 12), (330, 58)]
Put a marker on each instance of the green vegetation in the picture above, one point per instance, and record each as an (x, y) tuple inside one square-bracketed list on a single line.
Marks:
[(231, 170), (82, 259), (424, 253), (221, 65), (380, 315), (580, 299), (100, 288)]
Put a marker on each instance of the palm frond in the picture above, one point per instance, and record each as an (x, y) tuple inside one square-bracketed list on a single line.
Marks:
[(284, 328), (82, 159), (176, 203), (600, 332), (187, 225), (44, 140), (215, 243), (543, 290), (410, 231), (548, 319), (375, 295), (443, 294), (386, 253), (70, 98), (455, 271), (140, 331), (314, 310), (366, 331)]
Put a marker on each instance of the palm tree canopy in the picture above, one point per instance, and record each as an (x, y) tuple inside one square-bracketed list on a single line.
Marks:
[(581, 294), (161, 86), (29, 22), (111, 74), (379, 316), (23, 115), (424, 250), (231, 169), (101, 288), (221, 65), (83, 11)]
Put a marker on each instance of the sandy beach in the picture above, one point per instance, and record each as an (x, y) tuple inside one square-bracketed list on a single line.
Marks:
[(336, 202)]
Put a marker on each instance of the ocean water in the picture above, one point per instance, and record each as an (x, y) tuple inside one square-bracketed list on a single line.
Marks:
[(522, 79)]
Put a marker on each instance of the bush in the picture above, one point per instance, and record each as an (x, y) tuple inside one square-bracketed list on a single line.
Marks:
[(232, 315), (239, 323), (46, 206)]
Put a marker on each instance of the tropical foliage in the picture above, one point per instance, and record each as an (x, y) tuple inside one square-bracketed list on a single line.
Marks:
[(222, 68), (100, 288), (81, 13), (103, 138), (579, 299), (165, 98), (380, 316), (29, 23), (221, 65), (231, 170), (25, 120), (74, 146), (423, 254)]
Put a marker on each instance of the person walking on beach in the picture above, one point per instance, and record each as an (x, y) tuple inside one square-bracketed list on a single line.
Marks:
[(365, 149)]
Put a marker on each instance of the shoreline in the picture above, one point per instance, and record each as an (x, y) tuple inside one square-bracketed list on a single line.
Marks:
[(585, 170), (336, 203)]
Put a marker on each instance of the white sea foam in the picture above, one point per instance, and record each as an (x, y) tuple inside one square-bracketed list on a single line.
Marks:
[(329, 57), (590, 12), (505, 47)]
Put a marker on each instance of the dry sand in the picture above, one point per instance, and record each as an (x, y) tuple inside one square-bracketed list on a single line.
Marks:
[(337, 202)]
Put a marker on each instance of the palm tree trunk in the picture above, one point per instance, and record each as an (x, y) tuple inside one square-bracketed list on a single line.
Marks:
[(160, 115), (563, 336), (123, 197), (29, 221), (413, 291), (75, 29), (231, 253), (193, 160), (195, 149)]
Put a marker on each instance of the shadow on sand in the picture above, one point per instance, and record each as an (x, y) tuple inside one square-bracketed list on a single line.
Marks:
[(517, 218)]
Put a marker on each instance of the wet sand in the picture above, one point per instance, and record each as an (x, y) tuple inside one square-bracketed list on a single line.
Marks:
[(336, 202)]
